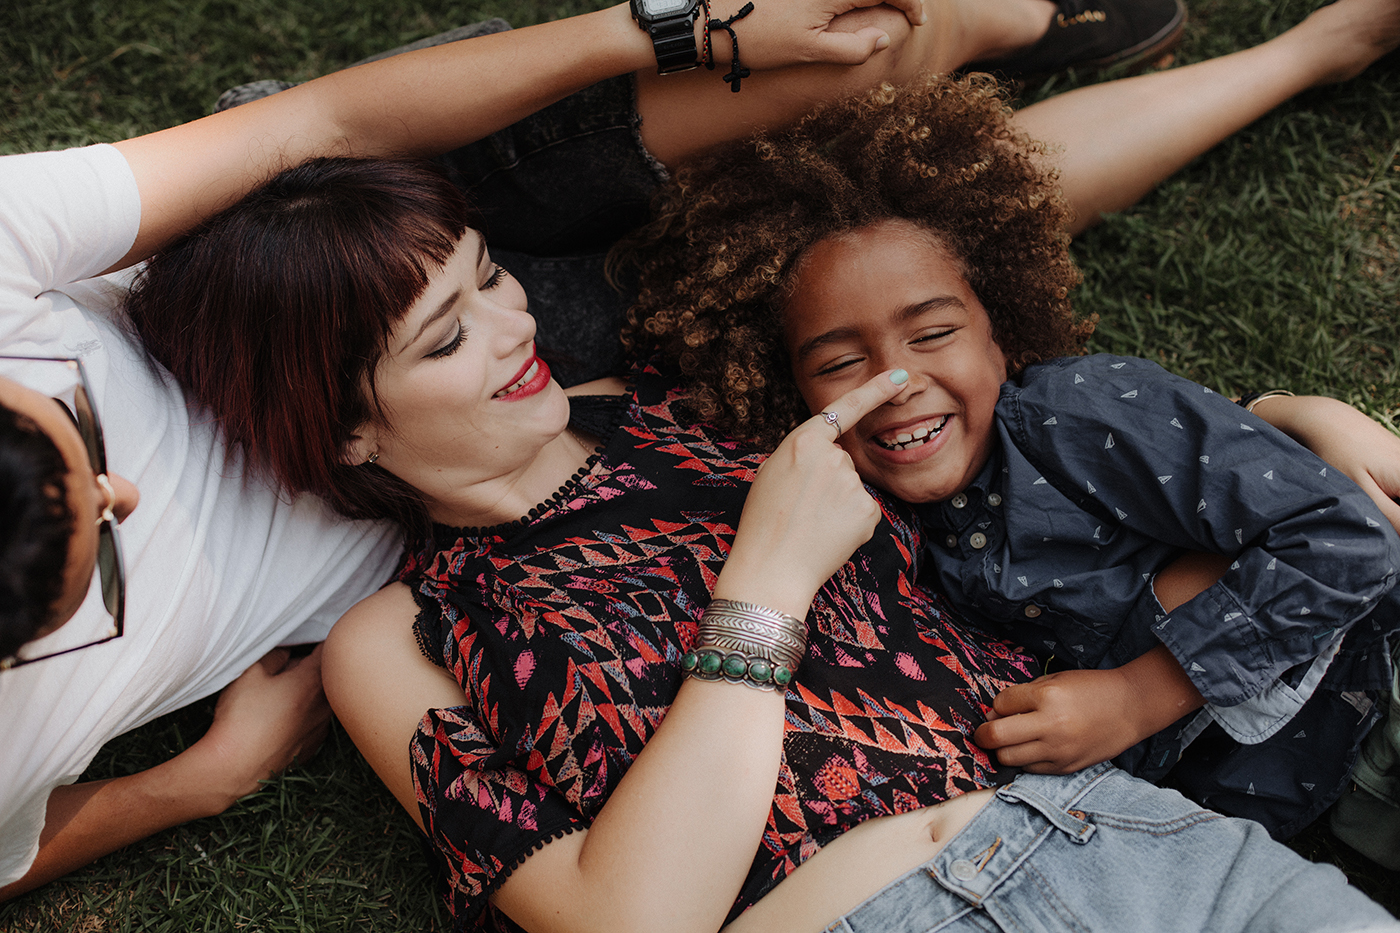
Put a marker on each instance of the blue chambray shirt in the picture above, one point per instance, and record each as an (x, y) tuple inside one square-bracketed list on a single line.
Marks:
[(1107, 468)]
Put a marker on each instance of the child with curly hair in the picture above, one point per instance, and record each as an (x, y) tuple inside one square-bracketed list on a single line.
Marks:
[(913, 229)]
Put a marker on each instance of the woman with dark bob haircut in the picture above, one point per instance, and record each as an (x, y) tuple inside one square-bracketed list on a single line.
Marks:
[(670, 681)]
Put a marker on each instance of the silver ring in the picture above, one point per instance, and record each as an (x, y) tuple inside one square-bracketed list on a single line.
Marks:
[(830, 417)]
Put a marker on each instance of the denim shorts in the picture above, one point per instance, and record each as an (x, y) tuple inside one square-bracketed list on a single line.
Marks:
[(1100, 850)]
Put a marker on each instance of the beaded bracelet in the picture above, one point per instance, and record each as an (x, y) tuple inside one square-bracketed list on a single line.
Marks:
[(750, 670), (1251, 399), (737, 72)]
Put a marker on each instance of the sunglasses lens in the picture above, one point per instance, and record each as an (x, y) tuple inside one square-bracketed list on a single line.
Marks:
[(90, 431), (109, 568)]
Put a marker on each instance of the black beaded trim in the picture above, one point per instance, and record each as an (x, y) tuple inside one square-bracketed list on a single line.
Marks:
[(428, 619), (519, 860), (599, 415)]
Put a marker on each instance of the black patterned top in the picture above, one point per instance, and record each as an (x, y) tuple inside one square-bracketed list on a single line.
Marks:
[(567, 630)]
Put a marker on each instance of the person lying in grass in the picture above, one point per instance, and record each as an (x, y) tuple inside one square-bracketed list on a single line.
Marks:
[(1054, 488), (218, 567), (600, 573), (634, 674)]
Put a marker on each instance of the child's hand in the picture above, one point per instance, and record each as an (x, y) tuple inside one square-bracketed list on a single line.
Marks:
[(1347, 439), (1062, 722), (1073, 719)]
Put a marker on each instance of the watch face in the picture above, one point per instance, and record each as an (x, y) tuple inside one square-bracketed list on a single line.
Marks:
[(656, 9)]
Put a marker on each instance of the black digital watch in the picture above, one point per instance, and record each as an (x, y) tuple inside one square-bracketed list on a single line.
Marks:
[(671, 25)]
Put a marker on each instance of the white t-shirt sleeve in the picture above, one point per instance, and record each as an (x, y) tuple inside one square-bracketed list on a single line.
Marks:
[(64, 217)]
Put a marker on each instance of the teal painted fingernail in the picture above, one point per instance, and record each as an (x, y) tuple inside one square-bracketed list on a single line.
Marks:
[(899, 377)]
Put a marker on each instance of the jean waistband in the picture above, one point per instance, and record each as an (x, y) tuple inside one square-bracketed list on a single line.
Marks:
[(1003, 834)]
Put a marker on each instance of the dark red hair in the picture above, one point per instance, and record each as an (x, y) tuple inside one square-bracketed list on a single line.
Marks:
[(275, 312)]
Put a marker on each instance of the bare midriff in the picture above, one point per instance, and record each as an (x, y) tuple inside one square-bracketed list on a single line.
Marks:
[(856, 865)]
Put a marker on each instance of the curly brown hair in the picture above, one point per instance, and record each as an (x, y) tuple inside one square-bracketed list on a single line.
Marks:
[(716, 266)]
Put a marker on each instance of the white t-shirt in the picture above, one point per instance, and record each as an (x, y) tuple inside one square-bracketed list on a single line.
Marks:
[(220, 568)]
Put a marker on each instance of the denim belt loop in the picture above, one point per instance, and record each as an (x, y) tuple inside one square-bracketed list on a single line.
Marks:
[(1060, 814), (1073, 823)]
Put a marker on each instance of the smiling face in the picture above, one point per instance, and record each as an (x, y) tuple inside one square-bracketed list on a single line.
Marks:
[(468, 408), (890, 296)]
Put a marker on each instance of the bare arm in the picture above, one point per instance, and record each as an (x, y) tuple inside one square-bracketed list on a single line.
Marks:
[(435, 99), (273, 713)]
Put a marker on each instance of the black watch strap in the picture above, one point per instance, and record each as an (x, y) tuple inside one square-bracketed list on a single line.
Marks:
[(674, 41)]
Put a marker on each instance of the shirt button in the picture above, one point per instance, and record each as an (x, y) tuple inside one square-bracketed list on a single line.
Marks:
[(951, 540), (963, 870), (959, 501), (978, 540), (1032, 611), (994, 499)]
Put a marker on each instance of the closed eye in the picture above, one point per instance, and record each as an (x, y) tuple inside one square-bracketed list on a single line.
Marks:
[(451, 346), (836, 366), (937, 335), (498, 273)]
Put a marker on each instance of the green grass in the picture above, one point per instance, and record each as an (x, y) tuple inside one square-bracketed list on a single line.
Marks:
[(1271, 262)]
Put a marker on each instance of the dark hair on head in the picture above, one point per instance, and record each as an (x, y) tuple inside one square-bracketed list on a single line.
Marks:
[(275, 313), (718, 263), (35, 527)]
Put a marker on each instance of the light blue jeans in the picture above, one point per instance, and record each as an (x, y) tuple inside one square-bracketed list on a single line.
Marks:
[(1102, 851)]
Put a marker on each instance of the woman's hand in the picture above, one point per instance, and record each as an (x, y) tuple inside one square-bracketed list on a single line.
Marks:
[(1347, 439), (796, 32), (807, 511)]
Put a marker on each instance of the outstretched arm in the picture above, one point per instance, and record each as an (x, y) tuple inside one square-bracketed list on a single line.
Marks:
[(272, 714), (435, 99)]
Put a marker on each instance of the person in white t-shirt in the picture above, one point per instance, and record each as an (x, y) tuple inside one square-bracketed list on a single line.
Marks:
[(218, 568)]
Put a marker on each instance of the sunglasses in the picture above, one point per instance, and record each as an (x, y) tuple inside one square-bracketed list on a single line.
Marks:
[(109, 555)]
